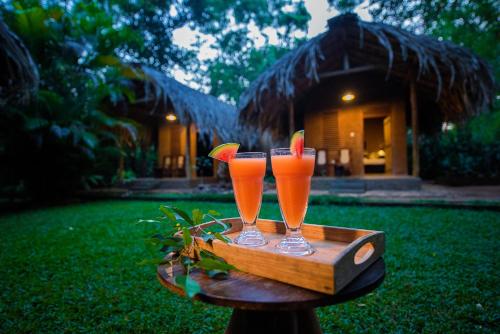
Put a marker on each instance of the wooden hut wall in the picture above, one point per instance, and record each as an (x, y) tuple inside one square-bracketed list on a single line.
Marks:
[(331, 126), (351, 136)]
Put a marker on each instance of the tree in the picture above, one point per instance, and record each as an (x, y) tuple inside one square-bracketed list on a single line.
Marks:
[(154, 21), (230, 77), (240, 60)]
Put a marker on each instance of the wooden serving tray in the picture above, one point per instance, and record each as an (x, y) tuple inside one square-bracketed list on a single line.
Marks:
[(340, 254)]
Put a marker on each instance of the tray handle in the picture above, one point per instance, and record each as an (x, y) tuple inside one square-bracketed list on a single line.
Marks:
[(347, 267)]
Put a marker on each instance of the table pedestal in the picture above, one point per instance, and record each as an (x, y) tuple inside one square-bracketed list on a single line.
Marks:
[(262, 306), (273, 322)]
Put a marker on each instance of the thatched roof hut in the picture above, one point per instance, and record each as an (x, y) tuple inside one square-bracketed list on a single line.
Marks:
[(162, 94), (19, 78), (460, 81), (354, 87), (182, 123)]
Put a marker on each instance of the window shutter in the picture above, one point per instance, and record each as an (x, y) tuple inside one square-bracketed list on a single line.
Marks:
[(331, 134)]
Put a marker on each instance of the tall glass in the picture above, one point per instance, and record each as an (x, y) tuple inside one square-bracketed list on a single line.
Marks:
[(293, 183), (247, 172)]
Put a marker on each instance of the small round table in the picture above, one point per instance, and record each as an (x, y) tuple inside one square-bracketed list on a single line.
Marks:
[(261, 305)]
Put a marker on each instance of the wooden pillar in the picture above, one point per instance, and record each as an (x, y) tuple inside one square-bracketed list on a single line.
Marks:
[(291, 119), (187, 162), (414, 129), (215, 143), (194, 153)]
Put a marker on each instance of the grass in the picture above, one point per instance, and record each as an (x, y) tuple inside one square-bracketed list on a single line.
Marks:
[(74, 269)]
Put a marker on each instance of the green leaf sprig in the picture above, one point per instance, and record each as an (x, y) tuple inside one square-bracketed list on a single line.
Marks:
[(177, 244)]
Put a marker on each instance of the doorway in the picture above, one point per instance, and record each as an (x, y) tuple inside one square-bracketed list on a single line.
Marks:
[(377, 145)]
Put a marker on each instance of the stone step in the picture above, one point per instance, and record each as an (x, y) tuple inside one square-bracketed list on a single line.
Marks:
[(330, 184), (362, 184), (339, 185), (348, 186), (142, 184)]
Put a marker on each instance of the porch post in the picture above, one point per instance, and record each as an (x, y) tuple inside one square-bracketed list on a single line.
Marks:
[(414, 129), (193, 150), (187, 162), (291, 119), (215, 143)]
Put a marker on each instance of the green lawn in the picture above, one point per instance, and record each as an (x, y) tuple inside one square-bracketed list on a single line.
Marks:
[(74, 269)]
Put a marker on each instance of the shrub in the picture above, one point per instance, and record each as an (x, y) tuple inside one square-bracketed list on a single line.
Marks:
[(141, 161), (467, 154)]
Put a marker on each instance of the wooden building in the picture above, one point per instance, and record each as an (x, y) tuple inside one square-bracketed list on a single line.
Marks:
[(362, 90)]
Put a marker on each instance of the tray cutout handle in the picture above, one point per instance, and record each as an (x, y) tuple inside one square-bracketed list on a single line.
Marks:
[(368, 248), (364, 253)]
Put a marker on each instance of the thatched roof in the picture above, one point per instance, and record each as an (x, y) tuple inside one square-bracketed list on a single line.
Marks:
[(460, 81), (210, 115), (19, 76)]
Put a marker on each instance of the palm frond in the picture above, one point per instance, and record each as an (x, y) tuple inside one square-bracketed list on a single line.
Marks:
[(19, 78)]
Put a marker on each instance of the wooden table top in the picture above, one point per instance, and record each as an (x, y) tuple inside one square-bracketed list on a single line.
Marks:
[(245, 291)]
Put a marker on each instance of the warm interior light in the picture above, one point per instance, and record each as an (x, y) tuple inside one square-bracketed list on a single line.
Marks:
[(171, 117), (347, 97)]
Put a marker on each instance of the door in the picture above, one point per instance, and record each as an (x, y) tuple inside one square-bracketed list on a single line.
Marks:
[(388, 144)]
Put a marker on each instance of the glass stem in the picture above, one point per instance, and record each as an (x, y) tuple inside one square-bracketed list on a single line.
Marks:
[(294, 233), (249, 226)]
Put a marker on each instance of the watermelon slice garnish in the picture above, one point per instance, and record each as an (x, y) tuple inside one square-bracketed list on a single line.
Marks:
[(224, 152), (297, 143)]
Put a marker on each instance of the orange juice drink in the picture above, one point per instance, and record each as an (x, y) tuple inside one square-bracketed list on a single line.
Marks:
[(247, 172), (293, 182), (247, 176)]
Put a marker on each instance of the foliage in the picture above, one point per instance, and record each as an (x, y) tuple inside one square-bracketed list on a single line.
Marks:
[(54, 147), (66, 137), (472, 24), (204, 166), (176, 241), (240, 59), (140, 160), (230, 77), (155, 22), (442, 272), (227, 21), (469, 153)]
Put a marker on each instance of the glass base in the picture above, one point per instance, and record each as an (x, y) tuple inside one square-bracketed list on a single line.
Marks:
[(295, 245), (250, 237)]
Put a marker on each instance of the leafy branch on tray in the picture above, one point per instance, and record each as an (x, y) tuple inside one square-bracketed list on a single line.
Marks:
[(178, 246)]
